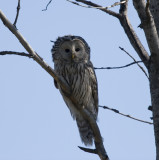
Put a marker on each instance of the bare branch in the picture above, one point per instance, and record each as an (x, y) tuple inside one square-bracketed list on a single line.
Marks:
[(122, 16), (97, 135), (120, 66), (125, 115), (30, 56), (15, 53), (47, 5), (117, 3), (135, 61), (87, 115), (16, 18), (96, 6), (36, 57), (113, 5), (132, 36), (94, 151)]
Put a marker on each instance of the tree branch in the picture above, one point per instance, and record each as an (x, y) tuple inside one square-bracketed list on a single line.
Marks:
[(96, 6), (127, 65), (99, 147), (122, 16), (135, 61), (148, 25), (16, 18), (47, 5), (35, 56), (97, 136), (94, 151), (132, 36), (30, 56), (88, 6), (15, 53), (125, 115)]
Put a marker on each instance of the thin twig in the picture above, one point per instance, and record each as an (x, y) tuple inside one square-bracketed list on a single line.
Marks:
[(96, 6), (94, 151), (135, 61), (16, 18), (122, 16), (15, 53), (113, 5), (30, 56), (125, 115), (47, 5), (118, 67)]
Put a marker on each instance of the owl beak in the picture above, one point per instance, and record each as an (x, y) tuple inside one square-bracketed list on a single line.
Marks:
[(73, 55)]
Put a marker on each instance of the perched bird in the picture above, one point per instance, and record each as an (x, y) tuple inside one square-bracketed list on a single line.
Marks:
[(71, 57)]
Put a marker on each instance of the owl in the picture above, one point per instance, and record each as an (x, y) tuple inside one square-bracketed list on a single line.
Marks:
[(71, 57)]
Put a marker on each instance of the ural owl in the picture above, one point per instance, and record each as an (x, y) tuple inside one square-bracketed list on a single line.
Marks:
[(71, 56)]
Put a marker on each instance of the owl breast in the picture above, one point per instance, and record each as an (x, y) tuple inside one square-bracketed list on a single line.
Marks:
[(77, 75)]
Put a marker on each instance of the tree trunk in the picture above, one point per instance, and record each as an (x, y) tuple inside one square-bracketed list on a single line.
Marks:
[(154, 7), (154, 77), (154, 90), (150, 25)]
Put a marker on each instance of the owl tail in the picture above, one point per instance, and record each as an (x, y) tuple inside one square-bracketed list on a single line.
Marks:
[(85, 131)]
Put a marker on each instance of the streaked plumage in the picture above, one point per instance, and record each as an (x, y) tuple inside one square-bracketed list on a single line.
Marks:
[(71, 56)]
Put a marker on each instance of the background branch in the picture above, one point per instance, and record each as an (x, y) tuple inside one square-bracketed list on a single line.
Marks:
[(125, 23), (47, 5), (98, 139), (16, 18), (100, 150), (30, 56), (127, 65), (15, 53), (88, 6), (35, 56), (96, 6), (94, 151), (135, 61), (132, 36), (125, 115)]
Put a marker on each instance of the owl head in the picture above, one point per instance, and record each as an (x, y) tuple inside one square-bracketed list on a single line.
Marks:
[(71, 49)]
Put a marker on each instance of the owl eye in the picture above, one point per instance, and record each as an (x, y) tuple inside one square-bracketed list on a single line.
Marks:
[(77, 49), (67, 50)]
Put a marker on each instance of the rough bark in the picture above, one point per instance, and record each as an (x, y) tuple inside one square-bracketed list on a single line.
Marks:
[(150, 25), (154, 7), (154, 77), (154, 90)]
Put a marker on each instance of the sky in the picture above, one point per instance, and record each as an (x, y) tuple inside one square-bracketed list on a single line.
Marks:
[(35, 123)]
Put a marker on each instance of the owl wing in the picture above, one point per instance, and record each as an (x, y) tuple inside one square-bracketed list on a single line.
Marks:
[(94, 85)]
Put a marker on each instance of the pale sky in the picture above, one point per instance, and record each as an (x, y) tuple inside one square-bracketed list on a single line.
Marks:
[(35, 123)]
